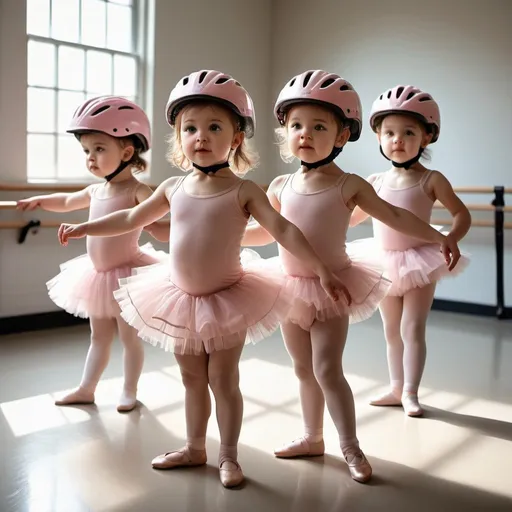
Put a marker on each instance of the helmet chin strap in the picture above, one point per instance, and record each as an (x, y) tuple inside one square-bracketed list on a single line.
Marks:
[(313, 165), (122, 166), (211, 168), (404, 165)]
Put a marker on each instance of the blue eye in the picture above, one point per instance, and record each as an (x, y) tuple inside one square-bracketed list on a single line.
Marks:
[(190, 129)]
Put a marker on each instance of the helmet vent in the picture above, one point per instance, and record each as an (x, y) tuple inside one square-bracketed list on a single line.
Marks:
[(125, 107), (425, 98), (202, 76), (411, 95), (307, 78), (399, 92), (222, 80), (100, 110), (292, 82), (327, 82), (185, 80), (389, 94), (345, 87)]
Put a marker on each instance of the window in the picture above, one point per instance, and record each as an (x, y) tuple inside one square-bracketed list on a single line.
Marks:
[(77, 49)]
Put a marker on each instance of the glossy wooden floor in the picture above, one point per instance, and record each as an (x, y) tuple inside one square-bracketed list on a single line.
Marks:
[(457, 458)]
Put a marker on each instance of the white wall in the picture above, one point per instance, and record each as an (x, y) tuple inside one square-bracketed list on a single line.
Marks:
[(182, 44), (458, 50), (452, 48)]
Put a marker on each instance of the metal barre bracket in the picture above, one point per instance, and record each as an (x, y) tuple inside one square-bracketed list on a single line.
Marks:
[(22, 235)]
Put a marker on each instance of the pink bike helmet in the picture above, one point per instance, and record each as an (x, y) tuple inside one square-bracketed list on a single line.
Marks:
[(114, 116), (407, 99), (215, 86), (327, 89)]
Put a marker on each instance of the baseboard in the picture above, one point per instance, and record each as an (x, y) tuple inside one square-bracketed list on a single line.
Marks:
[(37, 322), (468, 308), (56, 319)]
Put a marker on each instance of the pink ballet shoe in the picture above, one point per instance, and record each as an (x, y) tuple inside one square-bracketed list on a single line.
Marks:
[(77, 397), (229, 476), (390, 398), (300, 447), (186, 457), (358, 465), (411, 405), (127, 402)]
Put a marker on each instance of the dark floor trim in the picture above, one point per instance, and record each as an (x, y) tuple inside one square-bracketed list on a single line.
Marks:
[(55, 319), (36, 322), (468, 308)]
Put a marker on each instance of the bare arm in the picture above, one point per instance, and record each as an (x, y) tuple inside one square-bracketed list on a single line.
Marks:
[(123, 221), (397, 218), (445, 194), (256, 235), (402, 220), (359, 215), (61, 202), (160, 230)]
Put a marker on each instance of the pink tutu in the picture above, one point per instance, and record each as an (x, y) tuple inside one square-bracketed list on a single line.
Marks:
[(364, 281), (409, 269), (83, 291), (163, 314)]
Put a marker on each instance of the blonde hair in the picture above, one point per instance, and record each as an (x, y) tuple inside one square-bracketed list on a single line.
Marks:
[(242, 160), (282, 133)]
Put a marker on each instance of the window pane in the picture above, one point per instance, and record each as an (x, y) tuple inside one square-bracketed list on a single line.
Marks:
[(40, 110), (68, 102), (119, 28), (71, 68), (65, 20), (99, 72), (125, 76), (40, 156), (41, 64), (70, 159), (94, 22), (38, 17)]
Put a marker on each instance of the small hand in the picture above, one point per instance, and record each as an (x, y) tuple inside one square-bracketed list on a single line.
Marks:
[(333, 286), (450, 250), (67, 231), (28, 204)]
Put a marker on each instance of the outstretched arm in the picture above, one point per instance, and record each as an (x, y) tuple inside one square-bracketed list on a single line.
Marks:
[(402, 220), (123, 221), (61, 202)]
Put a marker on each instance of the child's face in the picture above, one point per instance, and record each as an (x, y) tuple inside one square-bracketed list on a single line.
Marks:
[(401, 137), (313, 132), (207, 134), (103, 153)]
